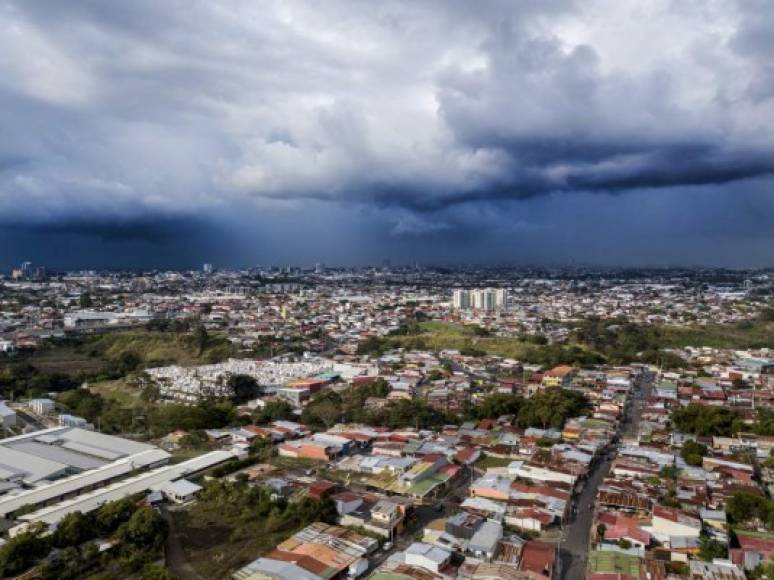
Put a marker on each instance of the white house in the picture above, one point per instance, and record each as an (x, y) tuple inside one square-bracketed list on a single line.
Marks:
[(427, 556), (41, 406), (669, 522), (7, 415), (181, 491)]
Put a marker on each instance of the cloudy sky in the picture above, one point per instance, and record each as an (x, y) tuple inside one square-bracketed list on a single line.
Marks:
[(147, 133)]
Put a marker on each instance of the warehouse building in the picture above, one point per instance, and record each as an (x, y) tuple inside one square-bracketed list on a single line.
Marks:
[(46, 466)]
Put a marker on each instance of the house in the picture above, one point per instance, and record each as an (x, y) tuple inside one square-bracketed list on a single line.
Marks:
[(181, 491), (463, 525), (468, 455), (318, 551), (346, 502), (483, 544), (671, 522), (306, 449), (717, 570), (7, 416), (385, 514), (491, 486), (753, 549), (538, 557), (529, 519), (560, 376), (427, 556), (41, 406)]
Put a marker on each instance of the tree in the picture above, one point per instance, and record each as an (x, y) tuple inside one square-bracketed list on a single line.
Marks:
[(145, 529), (743, 507), (372, 345), (127, 362), (85, 300), (693, 452), (74, 529), (498, 405), (155, 572), (326, 411), (274, 411), (21, 552), (671, 472), (710, 548), (244, 387), (551, 408), (705, 421), (201, 338), (112, 514)]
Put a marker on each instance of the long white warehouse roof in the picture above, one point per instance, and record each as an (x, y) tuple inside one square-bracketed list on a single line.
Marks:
[(11, 503), (150, 480)]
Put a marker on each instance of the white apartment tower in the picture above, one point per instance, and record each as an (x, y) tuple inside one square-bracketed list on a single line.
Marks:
[(461, 299), (484, 299)]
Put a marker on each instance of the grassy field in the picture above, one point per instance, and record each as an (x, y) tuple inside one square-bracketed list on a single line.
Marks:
[(156, 348), (488, 461), (438, 335), (64, 359), (755, 334), (213, 545), (126, 394), (101, 354)]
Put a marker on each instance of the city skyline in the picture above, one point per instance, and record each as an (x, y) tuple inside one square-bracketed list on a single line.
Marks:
[(166, 135)]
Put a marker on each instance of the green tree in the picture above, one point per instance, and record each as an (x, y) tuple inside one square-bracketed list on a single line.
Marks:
[(112, 514), (498, 405), (324, 411), (21, 552), (274, 411), (201, 338), (145, 529), (551, 408), (710, 548), (742, 507), (706, 421), (74, 529), (155, 572), (244, 387), (693, 452)]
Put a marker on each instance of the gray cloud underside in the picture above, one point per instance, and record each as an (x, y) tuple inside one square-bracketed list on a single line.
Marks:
[(116, 111)]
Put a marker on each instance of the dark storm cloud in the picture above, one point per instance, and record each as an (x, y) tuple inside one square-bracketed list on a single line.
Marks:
[(130, 119), (148, 229)]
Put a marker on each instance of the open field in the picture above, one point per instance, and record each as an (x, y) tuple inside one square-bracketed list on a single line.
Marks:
[(119, 390), (155, 348), (754, 334), (211, 545), (489, 461), (438, 335), (63, 359)]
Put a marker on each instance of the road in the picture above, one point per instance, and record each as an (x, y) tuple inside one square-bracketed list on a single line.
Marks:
[(573, 552)]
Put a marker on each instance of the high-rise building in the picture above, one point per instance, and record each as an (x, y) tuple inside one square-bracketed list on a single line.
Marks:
[(501, 299), (484, 299), (207, 268), (461, 299)]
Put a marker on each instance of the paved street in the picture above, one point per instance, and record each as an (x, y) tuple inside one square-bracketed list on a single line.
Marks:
[(573, 552)]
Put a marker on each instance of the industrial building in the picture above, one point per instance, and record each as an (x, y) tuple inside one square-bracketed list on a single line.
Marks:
[(64, 469), (44, 466)]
